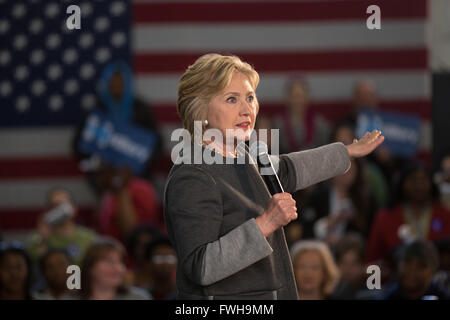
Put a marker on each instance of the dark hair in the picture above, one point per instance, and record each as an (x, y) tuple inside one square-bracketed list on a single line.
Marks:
[(154, 244), (132, 239), (400, 179), (93, 254), (17, 247), (425, 251), (339, 125), (49, 253), (443, 245), (349, 242)]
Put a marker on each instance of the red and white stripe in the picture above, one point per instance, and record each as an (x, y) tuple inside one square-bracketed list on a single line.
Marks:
[(326, 42)]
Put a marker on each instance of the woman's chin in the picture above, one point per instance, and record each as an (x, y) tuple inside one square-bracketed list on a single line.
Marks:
[(243, 135)]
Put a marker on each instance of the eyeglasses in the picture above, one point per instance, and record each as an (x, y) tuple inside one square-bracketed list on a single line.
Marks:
[(164, 259)]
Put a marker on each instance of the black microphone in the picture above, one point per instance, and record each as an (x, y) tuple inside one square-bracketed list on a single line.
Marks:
[(259, 150)]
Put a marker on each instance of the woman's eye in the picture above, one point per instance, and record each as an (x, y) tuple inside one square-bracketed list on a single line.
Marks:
[(231, 99), (250, 98)]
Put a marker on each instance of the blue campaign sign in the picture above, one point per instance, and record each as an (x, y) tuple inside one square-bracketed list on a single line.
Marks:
[(401, 131), (117, 143)]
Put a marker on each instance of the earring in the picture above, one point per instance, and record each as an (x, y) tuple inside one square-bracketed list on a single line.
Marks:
[(205, 122)]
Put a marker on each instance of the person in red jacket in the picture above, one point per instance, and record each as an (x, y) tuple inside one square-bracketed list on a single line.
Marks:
[(416, 216), (127, 202)]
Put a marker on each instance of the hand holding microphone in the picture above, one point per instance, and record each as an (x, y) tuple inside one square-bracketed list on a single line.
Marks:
[(281, 208), (280, 211)]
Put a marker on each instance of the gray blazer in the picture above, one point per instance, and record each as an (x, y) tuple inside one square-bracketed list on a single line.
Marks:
[(210, 212)]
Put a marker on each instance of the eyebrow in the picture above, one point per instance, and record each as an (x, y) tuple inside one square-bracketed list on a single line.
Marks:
[(238, 94)]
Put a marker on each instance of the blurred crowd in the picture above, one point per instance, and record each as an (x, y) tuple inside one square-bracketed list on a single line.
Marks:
[(385, 211)]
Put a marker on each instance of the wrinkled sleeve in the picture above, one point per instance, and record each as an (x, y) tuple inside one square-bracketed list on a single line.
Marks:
[(299, 170), (194, 208)]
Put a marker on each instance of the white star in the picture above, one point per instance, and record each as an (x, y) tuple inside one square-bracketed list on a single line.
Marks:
[(5, 57), (117, 8), (36, 26), (118, 39), (19, 11), (87, 71), (21, 72), (4, 26), (71, 86), (5, 88), (53, 40), (20, 42), (38, 87), (51, 10), (101, 24), (70, 56), (55, 102), (22, 103), (88, 101), (102, 55), (37, 56), (54, 71), (86, 40)]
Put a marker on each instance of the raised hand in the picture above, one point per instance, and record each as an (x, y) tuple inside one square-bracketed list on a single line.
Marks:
[(362, 147)]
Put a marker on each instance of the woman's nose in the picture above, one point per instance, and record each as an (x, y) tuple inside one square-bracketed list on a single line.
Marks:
[(246, 108)]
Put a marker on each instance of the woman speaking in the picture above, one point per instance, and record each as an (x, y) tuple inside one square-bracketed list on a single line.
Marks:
[(221, 218)]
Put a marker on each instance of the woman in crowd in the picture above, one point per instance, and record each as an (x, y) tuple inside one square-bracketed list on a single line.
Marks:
[(15, 272), (53, 267), (417, 262), (301, 126), (103, 273), (416, 215), (161, 262), (341, 206), (137, 243), (316, 273), (349, 254), (126, 202)]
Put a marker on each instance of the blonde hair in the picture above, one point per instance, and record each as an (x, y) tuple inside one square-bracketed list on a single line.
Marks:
[(329, 265), (208, 76)]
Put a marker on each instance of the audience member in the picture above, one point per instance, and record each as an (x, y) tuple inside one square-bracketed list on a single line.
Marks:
[(116, 97), (417, 263), (315, 271), (342, 205), (379, 187), (137, 243), (442, 276), (126, 203), (161, 262), (301, 126), (104, 272), (15, 272), (53, 267), (349, 254), (416, 215), (58, 229), (442, 179)]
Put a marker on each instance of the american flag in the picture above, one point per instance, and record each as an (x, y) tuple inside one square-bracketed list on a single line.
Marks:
[(49, 73)]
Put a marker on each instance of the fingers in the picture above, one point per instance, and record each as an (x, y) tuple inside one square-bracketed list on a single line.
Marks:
[(282, 196), (371, 137), (285, 203)]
